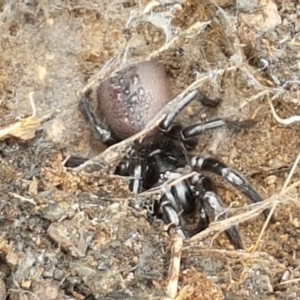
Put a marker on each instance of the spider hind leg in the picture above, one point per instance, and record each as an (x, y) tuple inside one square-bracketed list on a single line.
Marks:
[(212, 207), (215, 166)]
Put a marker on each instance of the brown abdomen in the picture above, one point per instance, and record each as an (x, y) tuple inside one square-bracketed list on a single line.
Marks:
[(133, 96)]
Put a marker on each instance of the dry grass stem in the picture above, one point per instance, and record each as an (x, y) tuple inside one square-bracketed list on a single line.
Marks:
[(255, 97), (23, 291), (287, 181), (287, 121), (111, 155), (167, 184), (23, 198), (174, 267), (113, 65), (196, 28), (295, 280), (24, 129), (257, 209)]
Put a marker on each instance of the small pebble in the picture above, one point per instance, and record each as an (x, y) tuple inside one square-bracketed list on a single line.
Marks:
[(58, 274), (270, 179)]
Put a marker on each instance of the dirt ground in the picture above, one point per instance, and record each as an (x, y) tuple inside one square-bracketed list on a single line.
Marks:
[(77, 235)]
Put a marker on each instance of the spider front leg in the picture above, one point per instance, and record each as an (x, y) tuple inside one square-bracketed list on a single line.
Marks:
[(188, 134), (212, 207), (131, 167), (167, 122), (214, 166), (177, 200), (167, 210), (197, 129), (101, 130), (171, 216)]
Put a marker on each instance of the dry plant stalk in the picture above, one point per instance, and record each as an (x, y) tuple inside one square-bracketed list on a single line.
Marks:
[(194, 29), (288, 179), (258, 209), (294, 280), (168, 184), (174, 267), (24, 129), (287, 121), (284, 188)]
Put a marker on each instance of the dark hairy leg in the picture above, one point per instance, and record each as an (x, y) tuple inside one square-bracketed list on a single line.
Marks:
[(74, 161), (188, 134), (197, 129), (166, 123), (172, 216), (167, 210), (131, 167), (100, 129), (214, 166), (212, 207)]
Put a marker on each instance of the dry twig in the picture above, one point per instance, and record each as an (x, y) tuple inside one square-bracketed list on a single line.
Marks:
[(174, 267), (258, 209), (24, 129), (284, 188), (288, 179), (287, 121), (29, 200)]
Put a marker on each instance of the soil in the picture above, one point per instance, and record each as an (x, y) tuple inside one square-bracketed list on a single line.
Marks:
[(69, 234)]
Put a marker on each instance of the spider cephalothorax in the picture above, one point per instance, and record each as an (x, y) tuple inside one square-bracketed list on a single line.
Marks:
[(127, 101)]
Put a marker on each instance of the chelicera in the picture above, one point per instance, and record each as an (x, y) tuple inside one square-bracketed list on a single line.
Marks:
[(126, 103)]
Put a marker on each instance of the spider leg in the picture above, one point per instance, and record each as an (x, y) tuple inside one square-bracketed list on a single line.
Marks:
[(132, 167), (188, 133), (180, 191), (175, 203), (197, 129), (100, 128), (172, 216), (74, 161), (214, 166), (136, 183), (168, 210), (211, 207), (201, 185), (213, 202), (167, 122)]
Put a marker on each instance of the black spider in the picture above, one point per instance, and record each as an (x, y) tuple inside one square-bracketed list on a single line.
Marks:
[(127, 101)]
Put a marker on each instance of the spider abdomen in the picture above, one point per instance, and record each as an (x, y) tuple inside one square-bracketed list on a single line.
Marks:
[(132, 97)]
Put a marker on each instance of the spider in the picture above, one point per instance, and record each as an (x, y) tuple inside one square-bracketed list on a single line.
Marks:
[(126, 102)]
